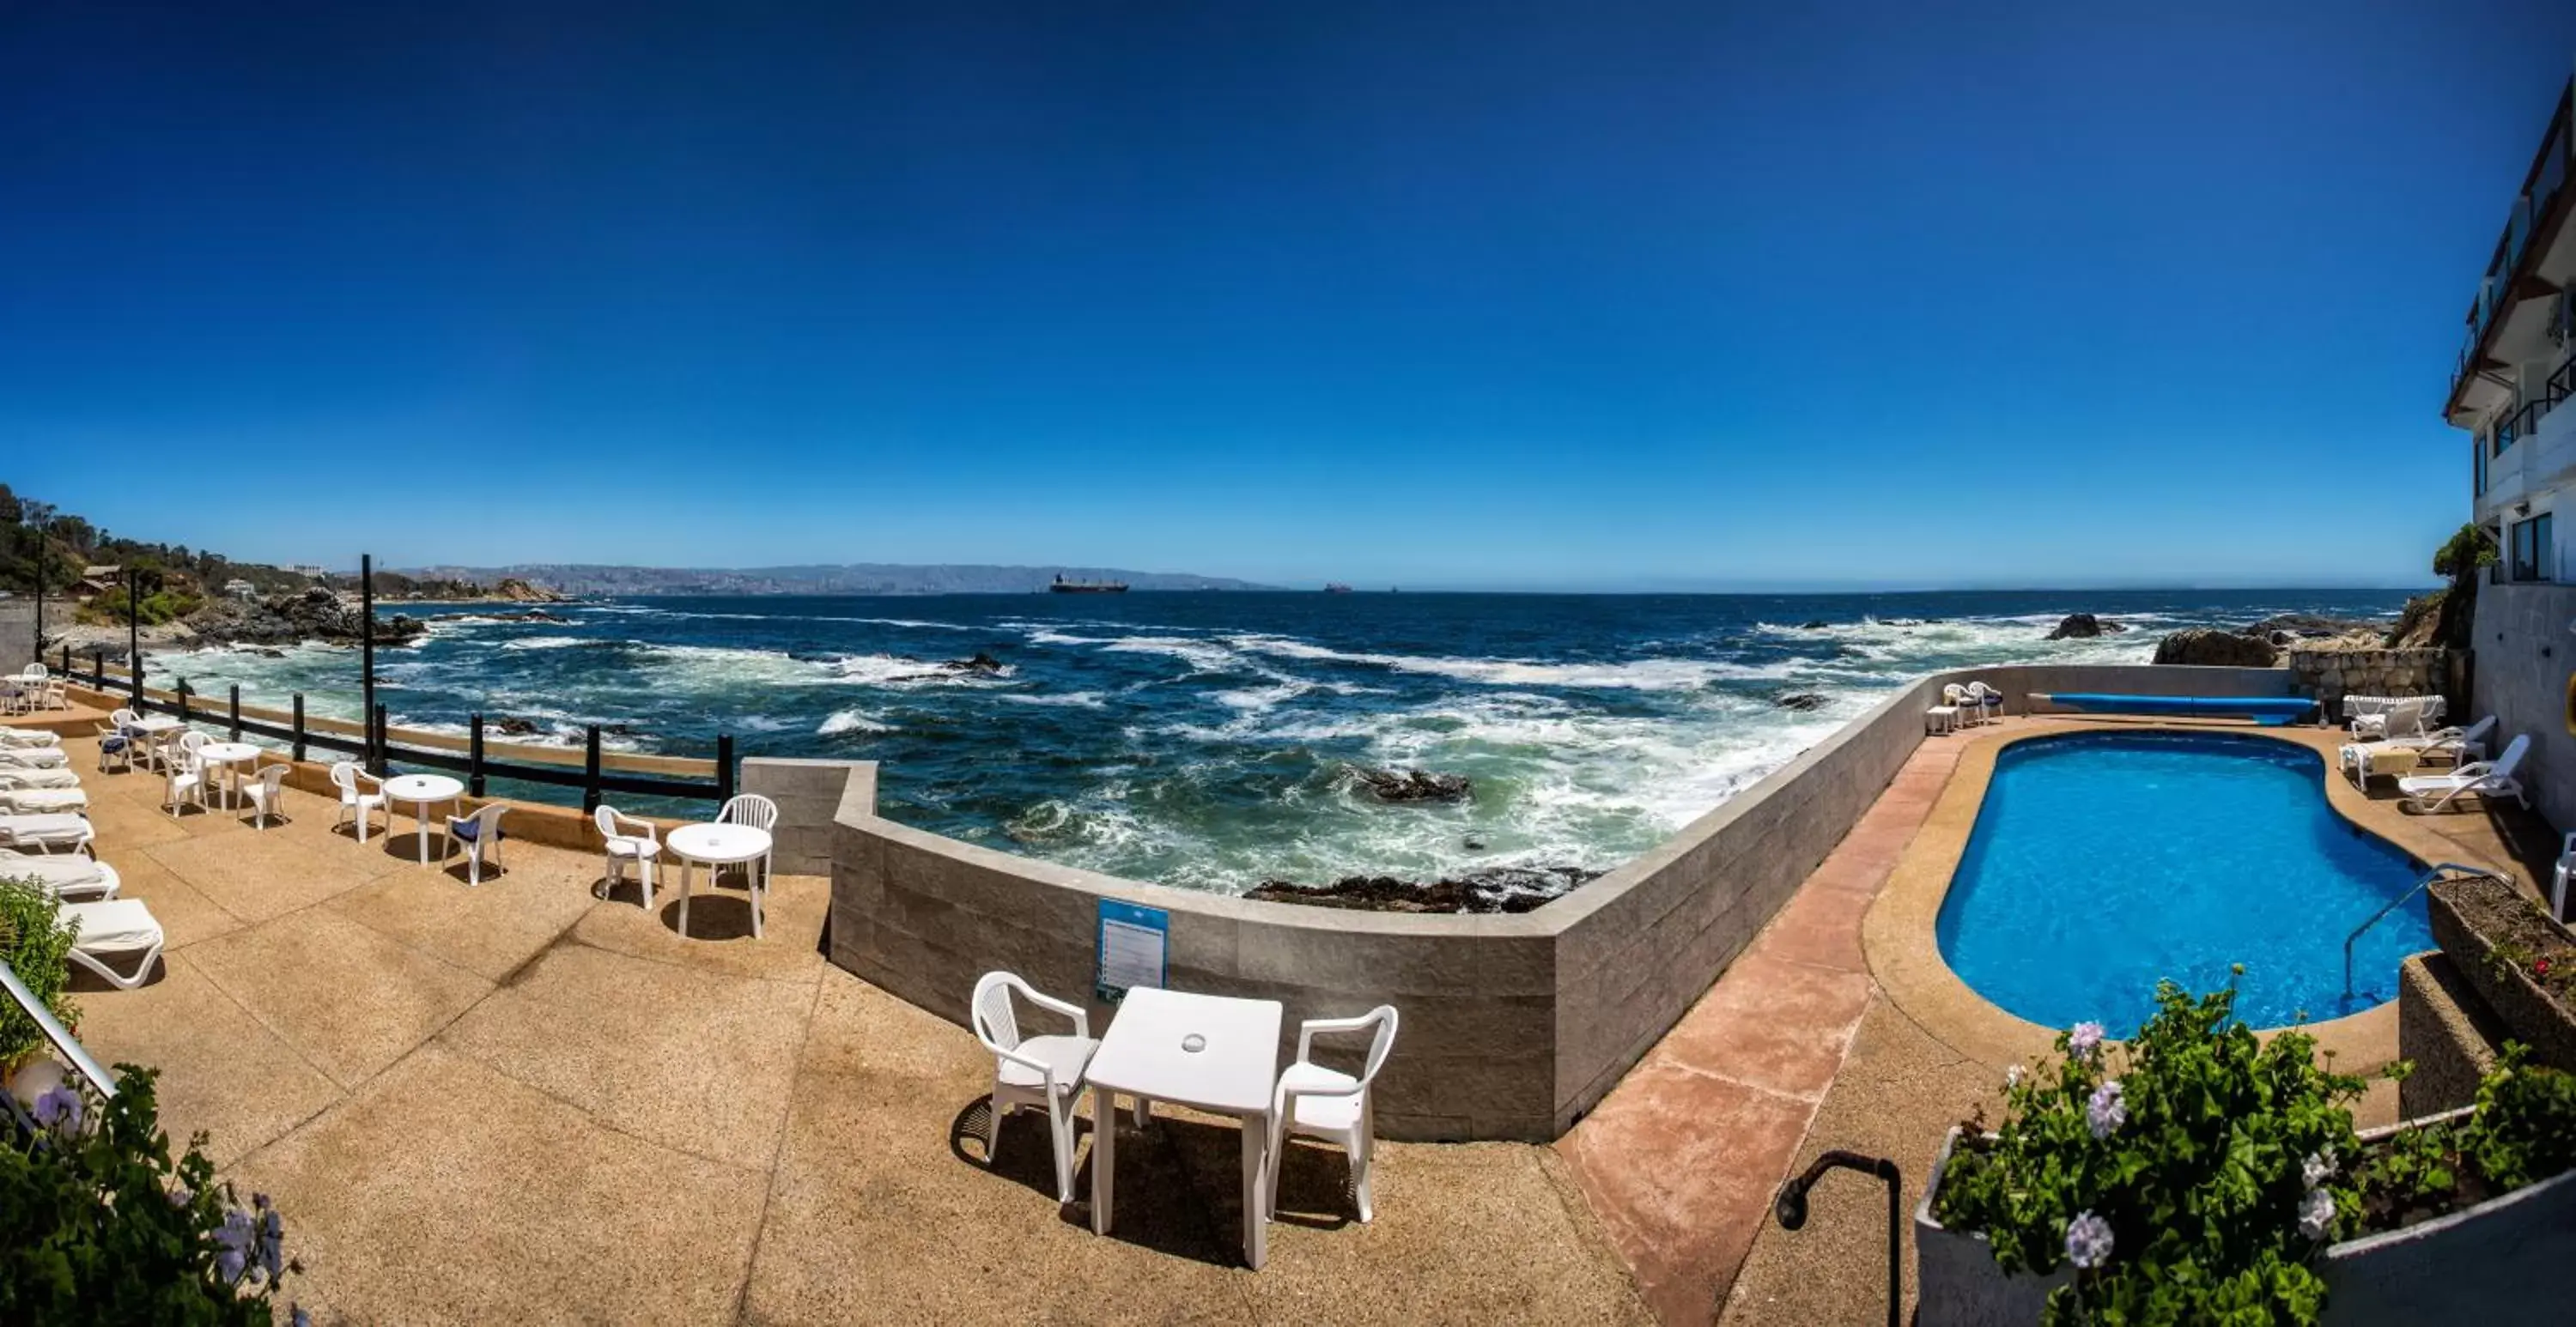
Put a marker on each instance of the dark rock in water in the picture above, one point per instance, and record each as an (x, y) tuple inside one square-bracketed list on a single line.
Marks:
[(510, 727), (2210, 646), (1801, 701), (2303, 625), (1474, 845), (2083, 626), (980, 663), (268, 653), (1390, 785), (1815, 624), (1493, 889)]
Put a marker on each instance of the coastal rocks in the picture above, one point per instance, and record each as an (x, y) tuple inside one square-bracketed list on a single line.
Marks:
[(528, 615), (286, 619), (511, 727), (521, 592), (1412, 786), (1490, 889), (1815, 624), (979, 663), (2212, 647), (1803, 702), (2083, 626)]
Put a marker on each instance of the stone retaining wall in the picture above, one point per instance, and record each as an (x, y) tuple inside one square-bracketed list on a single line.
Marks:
[(1514, 1026), (2330, 675)]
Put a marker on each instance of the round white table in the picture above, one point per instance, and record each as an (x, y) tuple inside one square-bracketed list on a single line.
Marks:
[(422, 791), (719, 846), (229, 757)]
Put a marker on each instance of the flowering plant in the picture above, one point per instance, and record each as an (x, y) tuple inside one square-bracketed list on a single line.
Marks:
[(99, 1224), (2187, 1175), (36, 943)]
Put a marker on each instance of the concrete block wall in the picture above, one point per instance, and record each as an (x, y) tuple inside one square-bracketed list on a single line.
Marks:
[(809, 795), (2524, 655), (17, 633), (1514, 1026)]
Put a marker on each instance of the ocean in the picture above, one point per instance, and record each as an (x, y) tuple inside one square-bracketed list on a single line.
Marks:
[(1207, 739)]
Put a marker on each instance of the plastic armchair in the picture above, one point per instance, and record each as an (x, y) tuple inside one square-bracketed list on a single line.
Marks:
[(266, 791), (356, 798), (761, 814), (1327, 1104), (183, 780), (628, 840), (2558, 878), (1990, 702), (480, 834), (1032, 1071), (115, 744), (1965, 701)]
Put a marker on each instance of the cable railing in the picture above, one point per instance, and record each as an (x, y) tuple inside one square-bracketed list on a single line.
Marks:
[(377, 743), (2440, 872)]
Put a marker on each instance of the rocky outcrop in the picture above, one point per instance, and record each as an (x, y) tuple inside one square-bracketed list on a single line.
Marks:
[(1802, 701), (2212, 647), (979, 663), (1410, 786), (521, 592), (1492, 889), (2083, 626), (285, 619)]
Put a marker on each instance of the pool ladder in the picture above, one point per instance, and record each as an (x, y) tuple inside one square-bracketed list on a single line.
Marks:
[(2444, 871)]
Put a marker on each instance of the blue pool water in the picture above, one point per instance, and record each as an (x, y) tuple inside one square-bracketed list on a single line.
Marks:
[(2103, 862)]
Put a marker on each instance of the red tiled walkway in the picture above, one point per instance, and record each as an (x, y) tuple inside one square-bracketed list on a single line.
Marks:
[(1681, 1160)]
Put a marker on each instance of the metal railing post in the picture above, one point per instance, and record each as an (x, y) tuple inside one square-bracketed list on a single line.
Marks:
[(134, 636), (590, 770), (236, 711), (183, 693), (474, 756), (724, 768), (367, 654), (376, 744), (299, 727)]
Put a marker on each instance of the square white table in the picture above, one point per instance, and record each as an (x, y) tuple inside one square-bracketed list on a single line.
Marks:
[(1233, 1072)]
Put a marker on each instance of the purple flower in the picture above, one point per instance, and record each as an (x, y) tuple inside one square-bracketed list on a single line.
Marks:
[(235, 1237), (2105, 1112), (2088, 1241), (59, 1108), (2084, 1040), (181, 1195), (2317, 1214), (272, 1240)]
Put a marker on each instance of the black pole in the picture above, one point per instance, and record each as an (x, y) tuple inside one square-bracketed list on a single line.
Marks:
[(40, 592), (134, 636), (299, 727), (183, 700), (376, 744), (374, 757), (236, 711), (1790, 1208), (474, 756), (590, 770), (724, 768)]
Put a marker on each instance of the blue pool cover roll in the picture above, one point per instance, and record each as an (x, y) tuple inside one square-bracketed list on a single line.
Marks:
[(2268, 710)]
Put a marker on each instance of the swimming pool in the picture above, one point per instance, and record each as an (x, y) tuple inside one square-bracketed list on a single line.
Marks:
[(2103, 861)]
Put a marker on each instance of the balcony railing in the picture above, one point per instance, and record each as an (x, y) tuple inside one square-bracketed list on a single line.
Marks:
[(2530, 212)]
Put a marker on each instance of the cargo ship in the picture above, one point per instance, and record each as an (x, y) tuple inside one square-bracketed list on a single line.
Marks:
[(1062, 586), (1336, 587)]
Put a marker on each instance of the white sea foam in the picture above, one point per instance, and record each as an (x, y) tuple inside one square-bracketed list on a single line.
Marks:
[(1088, 700), (852, 721)]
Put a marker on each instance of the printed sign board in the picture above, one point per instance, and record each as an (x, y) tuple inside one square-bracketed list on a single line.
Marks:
[(1134, 945)]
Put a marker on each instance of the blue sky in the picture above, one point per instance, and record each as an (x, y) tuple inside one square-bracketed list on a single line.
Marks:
[(1601, 295)]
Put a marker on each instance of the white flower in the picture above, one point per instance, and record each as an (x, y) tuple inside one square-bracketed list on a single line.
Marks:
[(2317, 1214), (2105, 1111), (2084, 1040), (2012, 1076), (2318, 1168), (2088, 1241)]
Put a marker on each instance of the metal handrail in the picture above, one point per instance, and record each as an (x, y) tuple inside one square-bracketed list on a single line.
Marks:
[(2440, 872), (65, 1044)]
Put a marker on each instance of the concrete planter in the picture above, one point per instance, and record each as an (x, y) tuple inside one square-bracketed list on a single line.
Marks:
[(2475, 1264), (2463, 912)]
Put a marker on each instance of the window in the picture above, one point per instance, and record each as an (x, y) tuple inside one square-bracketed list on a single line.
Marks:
[(2478, 459), (2534, 551)]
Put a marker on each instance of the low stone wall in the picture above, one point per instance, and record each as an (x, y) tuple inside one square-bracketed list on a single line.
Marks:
[(2330, 675), (1514, 1026), (809, 794), (2446, 1031)]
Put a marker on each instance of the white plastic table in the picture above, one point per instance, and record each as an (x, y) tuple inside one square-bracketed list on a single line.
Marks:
[(719, 846), (422, 791), (229, 757), (1147, 1055), (154, 723)]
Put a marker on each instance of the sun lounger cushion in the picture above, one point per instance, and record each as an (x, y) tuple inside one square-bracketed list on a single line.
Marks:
[(56, 872), (28, 737), (41, 801), (21, 776), (66, 829), (117, 924)]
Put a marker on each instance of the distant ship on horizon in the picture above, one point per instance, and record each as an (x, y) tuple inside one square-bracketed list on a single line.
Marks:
[(1062, 586), (1336, 587)]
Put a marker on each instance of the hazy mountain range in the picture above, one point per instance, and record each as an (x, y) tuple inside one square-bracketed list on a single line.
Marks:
[(851, 578)]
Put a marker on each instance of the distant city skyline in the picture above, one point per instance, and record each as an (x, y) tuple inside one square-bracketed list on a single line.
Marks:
[(1638, 297)]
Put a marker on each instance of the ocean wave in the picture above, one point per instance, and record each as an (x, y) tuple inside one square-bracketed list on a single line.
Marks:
[(851, 721), (1633, 674), (1088, 700)]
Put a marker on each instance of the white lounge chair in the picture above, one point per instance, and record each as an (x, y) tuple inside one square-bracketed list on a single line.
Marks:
[(2480, 779), (110, 933), (480, 835), (23, 738), (1316, 1102), (361, 794), (34, 757), (266, 791), (29, 776), (2468, 743), (16, 801), (2405, 718), (628, 840), (51, 833), (69, 877), (1033, 1071)]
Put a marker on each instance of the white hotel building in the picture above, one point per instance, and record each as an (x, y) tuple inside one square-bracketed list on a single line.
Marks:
[(2519, 366)]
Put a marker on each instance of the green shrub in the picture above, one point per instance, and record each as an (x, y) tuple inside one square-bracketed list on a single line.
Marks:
[(36, 942), (99, 1224)]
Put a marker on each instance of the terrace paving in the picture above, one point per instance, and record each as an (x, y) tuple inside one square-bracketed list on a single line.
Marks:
[(525, 1102)]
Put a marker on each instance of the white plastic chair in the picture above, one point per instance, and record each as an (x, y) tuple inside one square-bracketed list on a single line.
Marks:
[(1990, 702), (2557, 878), (1315, 1102), (761, 814), (266, 791), (115, 744), (115, 927), (356, 800), (184, 781), (1033, 1071), (628, 840), (480, 833), (2481, 779), (161, 748)]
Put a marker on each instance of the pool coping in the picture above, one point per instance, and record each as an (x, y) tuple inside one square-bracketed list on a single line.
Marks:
[(1900, 939)]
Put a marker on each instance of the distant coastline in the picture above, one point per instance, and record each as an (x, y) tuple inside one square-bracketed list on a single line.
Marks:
[(865, 578)]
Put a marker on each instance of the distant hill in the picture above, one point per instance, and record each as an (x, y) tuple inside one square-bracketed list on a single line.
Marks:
[(852, 578)]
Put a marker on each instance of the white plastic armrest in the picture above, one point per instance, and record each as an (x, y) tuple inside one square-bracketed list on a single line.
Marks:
[(2570, 849), (1081, 1017), (1306, 1031), (2474, 770), (1045, 1070)]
